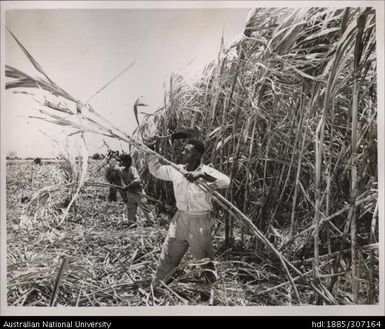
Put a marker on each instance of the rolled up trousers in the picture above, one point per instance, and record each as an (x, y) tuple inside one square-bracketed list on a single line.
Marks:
[(186, 230)]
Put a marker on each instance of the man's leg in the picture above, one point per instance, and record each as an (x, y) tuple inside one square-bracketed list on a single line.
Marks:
[(173, 251), (201, 243), (112, 195), (123, 194), (132, 209)]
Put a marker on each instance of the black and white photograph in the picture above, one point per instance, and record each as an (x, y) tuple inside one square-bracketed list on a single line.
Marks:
[(192, 158)]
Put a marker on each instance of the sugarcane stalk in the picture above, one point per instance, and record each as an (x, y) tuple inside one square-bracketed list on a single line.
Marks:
[(229, 191), (317, 193), (328, 183), (371, 294), (296, 185), (354, 186)]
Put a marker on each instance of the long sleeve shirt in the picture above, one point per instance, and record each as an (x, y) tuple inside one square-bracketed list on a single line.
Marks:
[(189, 197)]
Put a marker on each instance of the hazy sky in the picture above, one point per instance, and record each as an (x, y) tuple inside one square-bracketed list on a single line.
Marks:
[(82, 49)]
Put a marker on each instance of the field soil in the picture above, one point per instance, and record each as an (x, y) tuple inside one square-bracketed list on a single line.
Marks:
[(103, 260)]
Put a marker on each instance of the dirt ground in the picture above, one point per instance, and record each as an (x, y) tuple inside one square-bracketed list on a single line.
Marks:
[(103, 260)]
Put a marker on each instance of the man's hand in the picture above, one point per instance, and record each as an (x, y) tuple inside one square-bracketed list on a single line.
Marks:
[(208, 178), (192, 176), (127, 188)]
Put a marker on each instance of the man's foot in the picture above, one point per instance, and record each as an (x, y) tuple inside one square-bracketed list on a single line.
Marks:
[(204, 296), (207, 296), (210, 274)]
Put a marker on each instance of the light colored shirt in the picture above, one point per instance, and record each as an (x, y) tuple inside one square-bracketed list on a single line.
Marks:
[(188, 196)]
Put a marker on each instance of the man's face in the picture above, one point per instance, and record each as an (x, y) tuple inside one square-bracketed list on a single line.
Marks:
[(189, 153)]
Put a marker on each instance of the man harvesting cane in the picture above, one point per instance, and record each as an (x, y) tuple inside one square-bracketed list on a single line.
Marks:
[(192, 223)]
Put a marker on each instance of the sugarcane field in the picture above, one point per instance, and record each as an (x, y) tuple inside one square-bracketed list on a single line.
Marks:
[(192, 156)]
